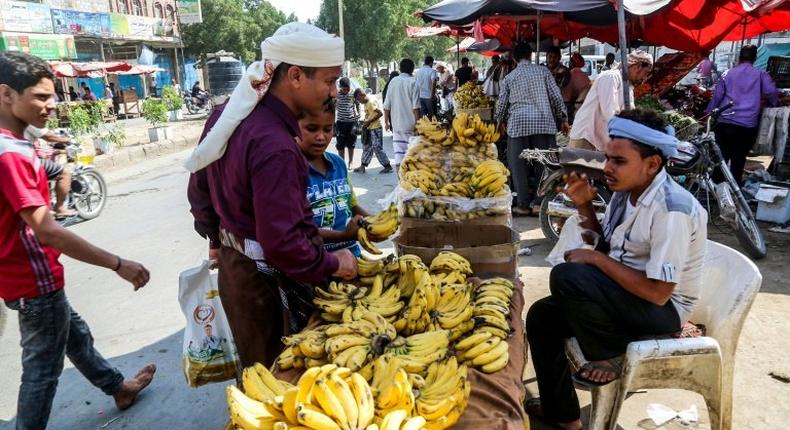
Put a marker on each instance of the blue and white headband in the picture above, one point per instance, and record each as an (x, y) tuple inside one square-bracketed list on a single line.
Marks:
[(663, 141)]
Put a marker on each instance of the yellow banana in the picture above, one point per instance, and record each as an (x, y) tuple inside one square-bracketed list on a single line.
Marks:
[(362, 236), (393, 420), (497, 364), (343, 393), (289, 404), (273, 383), (314, 419), (491, 355), (364, 400), (254, 387)]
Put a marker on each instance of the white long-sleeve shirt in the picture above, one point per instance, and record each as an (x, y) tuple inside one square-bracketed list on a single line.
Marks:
[(603, 101)]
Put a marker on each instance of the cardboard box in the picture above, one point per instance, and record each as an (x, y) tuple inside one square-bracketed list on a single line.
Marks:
[(491, 249), (407, 223), (774, 203)]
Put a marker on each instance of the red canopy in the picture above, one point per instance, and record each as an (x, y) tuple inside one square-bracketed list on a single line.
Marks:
[(95, 69), (685, 25)]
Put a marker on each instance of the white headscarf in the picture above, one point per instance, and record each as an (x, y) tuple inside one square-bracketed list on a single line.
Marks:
[(295, 43), (639, 56)]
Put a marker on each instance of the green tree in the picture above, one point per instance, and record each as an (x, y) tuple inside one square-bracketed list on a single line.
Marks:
[(375, 30), (234, 26)]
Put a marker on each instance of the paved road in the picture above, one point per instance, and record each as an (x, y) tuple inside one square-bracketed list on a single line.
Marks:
[(146, 219)]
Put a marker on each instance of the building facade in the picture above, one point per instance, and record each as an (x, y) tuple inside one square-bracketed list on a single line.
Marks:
[(134, 31)]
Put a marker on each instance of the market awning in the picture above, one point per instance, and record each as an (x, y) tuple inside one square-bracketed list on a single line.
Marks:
[(457, 12), (417, 32), (685, 25), (95, 69), (139, 69)]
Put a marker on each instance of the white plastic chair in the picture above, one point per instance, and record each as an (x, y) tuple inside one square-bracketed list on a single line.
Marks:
[(703, 364)]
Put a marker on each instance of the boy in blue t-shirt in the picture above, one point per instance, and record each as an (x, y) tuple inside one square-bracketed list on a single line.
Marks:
[(336, 210)]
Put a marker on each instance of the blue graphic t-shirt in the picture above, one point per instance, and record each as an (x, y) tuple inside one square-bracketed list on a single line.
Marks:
[(332, 198)]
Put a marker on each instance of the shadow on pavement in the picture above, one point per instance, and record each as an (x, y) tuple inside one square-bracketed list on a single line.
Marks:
[(168, 403)]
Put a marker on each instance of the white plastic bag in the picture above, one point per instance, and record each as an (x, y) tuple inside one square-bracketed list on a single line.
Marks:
[(570, 238), (208, 354)]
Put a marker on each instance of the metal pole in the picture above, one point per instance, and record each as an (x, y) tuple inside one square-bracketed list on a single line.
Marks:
[(537, 41), (340, 17), (457, 52), (623, 54)]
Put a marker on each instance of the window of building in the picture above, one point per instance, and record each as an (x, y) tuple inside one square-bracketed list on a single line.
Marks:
[(158, 13), (123, 6), (171, 13), (137, 8)]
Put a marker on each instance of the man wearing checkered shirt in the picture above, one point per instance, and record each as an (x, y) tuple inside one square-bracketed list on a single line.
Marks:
[(531, 109)]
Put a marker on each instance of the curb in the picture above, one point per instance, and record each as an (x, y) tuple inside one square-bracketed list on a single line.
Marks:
[(135, 154)]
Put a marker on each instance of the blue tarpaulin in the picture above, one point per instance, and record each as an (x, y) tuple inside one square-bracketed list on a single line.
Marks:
[(770, 50)]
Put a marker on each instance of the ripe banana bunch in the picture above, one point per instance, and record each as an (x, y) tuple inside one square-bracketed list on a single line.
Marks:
[(489, 179), (351, 344), (472, 131), (422, 180), (471, 96), (287, 360), (416, 316), (391, 387), (433, 131), (338, 301), (369, 268), (492, 306), (247, 413), (445, 211), (453, 311), (325, 398), (260, 384), (418, 351), (484, 350), (308, 345), (443, 398), (448, 261), (411, 271), (377, 228)]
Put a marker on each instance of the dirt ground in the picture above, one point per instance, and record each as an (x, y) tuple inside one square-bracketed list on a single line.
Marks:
[(761, 401)]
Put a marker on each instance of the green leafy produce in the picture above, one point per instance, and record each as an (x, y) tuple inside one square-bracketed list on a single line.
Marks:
[(649, 101)]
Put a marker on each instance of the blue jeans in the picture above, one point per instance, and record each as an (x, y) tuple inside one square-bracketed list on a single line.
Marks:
[(51, 330)]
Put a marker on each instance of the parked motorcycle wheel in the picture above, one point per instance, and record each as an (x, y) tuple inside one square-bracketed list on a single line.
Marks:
[(551, 223), (748, 232), (91, 200), (192, 108)]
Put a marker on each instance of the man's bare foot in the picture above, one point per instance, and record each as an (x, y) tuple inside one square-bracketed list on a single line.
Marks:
[(126, 396)]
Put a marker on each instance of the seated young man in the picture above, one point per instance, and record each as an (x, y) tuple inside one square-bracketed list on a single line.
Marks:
[(335, 207), (642, 280)]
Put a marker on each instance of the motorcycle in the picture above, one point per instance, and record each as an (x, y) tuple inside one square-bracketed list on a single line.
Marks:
[(692, 167), (196, 105), (88, 193)]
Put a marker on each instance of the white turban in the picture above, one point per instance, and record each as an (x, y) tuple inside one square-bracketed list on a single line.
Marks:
[(639, 56), (295, 43)]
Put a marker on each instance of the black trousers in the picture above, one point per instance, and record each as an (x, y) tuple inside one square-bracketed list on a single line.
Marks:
[(526, 175), (735, 142), (587, 304)]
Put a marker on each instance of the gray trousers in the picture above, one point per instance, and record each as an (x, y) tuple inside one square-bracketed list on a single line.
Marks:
[(524, 174)]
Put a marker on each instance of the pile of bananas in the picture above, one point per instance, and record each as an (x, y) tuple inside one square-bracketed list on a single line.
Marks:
[(486, 347), (471, 96), (442, 399), (347, 302), (415, 317), (472, 131), (377, 228), (448, 262), (442, 166), (326, 397), (489, 179)]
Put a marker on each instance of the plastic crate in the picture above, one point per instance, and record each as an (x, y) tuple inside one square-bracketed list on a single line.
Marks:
[(779, 69)]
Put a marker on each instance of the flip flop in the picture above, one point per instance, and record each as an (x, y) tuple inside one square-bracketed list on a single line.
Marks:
[(615, 366), (66, 215), (534, 409)]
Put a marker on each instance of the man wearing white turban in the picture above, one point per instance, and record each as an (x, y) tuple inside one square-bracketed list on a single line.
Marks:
[(247, 196), (604, 100)]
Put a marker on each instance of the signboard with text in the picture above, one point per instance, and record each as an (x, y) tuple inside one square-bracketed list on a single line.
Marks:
[(80, 23), (46, 46), (189, 11), (140, 27), (25, 17)]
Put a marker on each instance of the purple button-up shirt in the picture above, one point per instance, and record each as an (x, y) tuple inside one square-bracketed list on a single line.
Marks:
[(256, 191), (745, 85)]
